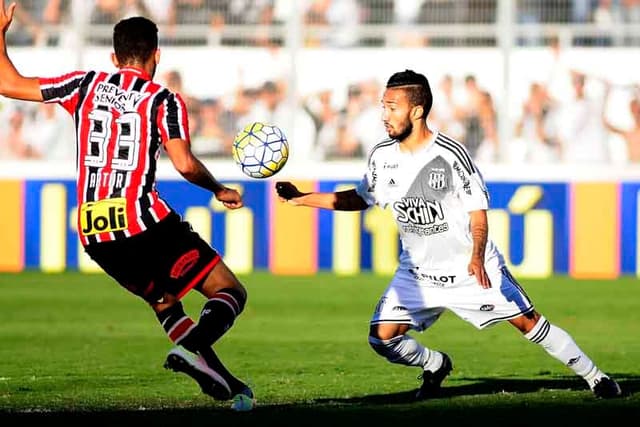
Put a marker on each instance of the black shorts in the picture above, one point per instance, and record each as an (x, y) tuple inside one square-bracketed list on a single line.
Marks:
[(168, 257)]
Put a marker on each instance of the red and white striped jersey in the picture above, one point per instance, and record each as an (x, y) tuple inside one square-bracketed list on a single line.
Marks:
[(122, 119)]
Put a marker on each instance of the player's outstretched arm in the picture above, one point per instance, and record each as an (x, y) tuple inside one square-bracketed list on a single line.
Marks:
[(192, 169), (348, 200), (12, 83)]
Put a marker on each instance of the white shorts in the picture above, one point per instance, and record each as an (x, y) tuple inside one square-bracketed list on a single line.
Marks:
[(419, 299)]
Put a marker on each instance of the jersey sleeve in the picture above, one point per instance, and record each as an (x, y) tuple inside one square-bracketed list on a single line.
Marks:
[(64, 90), (470, 186), (173, 120), (367, 185)]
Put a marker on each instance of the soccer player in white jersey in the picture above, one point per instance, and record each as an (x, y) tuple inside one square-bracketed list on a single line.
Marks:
[(439, 202)]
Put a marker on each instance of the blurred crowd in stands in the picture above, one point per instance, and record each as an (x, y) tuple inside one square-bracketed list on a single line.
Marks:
[(548, 129), (551, 125), (336, 23)]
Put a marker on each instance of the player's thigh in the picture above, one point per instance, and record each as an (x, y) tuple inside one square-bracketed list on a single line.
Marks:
[(186, 261), (219, 278), (504, 300), (404, 303), (195, 265), (167, 259), (128, 264)]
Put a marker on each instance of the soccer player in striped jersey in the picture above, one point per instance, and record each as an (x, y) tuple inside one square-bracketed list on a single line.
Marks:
[(439, 201), (122, 120)]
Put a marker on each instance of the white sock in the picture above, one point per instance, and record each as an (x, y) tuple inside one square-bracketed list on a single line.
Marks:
[(560, 345), (405, 350), (434, 362)]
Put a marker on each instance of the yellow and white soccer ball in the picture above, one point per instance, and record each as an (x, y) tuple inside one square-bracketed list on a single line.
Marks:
[(261, 150)]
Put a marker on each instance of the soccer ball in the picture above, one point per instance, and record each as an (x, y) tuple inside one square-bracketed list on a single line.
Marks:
[(260, 150), (242, 403)]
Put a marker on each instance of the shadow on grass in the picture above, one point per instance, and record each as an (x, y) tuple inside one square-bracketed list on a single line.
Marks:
[(630, 385), (505, 401)]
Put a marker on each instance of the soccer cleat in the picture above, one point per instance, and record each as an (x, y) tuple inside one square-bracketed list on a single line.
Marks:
[(606, 388), (431, 380), (209, 380)]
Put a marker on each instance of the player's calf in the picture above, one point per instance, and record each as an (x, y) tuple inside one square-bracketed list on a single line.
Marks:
[(217, 316), (559, 344), (219, 313), (180, 328), (405, 350)]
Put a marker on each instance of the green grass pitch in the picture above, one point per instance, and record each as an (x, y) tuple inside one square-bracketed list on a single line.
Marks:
[(78, 349)]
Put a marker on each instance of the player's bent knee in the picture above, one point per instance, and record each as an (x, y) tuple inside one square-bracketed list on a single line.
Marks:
[(164, 303), (219, 278), (236, 295), (526, 322), (389, 349), (387, 331)]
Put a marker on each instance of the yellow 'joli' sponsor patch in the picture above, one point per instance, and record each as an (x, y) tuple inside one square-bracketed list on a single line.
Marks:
[(103, 216)]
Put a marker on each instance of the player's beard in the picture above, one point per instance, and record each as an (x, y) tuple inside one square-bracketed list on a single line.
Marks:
[(404, 132)]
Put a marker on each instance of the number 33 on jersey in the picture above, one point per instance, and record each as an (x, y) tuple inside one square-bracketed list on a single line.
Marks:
[(122, 121)]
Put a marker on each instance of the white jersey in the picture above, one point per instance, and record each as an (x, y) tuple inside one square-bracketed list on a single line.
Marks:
[(430, 193)]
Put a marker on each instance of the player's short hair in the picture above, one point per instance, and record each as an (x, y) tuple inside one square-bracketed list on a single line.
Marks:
[(135, 39), (417, 87)]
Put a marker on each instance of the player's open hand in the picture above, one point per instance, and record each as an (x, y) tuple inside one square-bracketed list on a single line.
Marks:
[(476, 268), (230, 198), (6, 16), (287, 192)]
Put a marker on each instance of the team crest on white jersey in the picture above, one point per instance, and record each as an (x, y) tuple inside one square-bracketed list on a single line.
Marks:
[(437, 179)]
